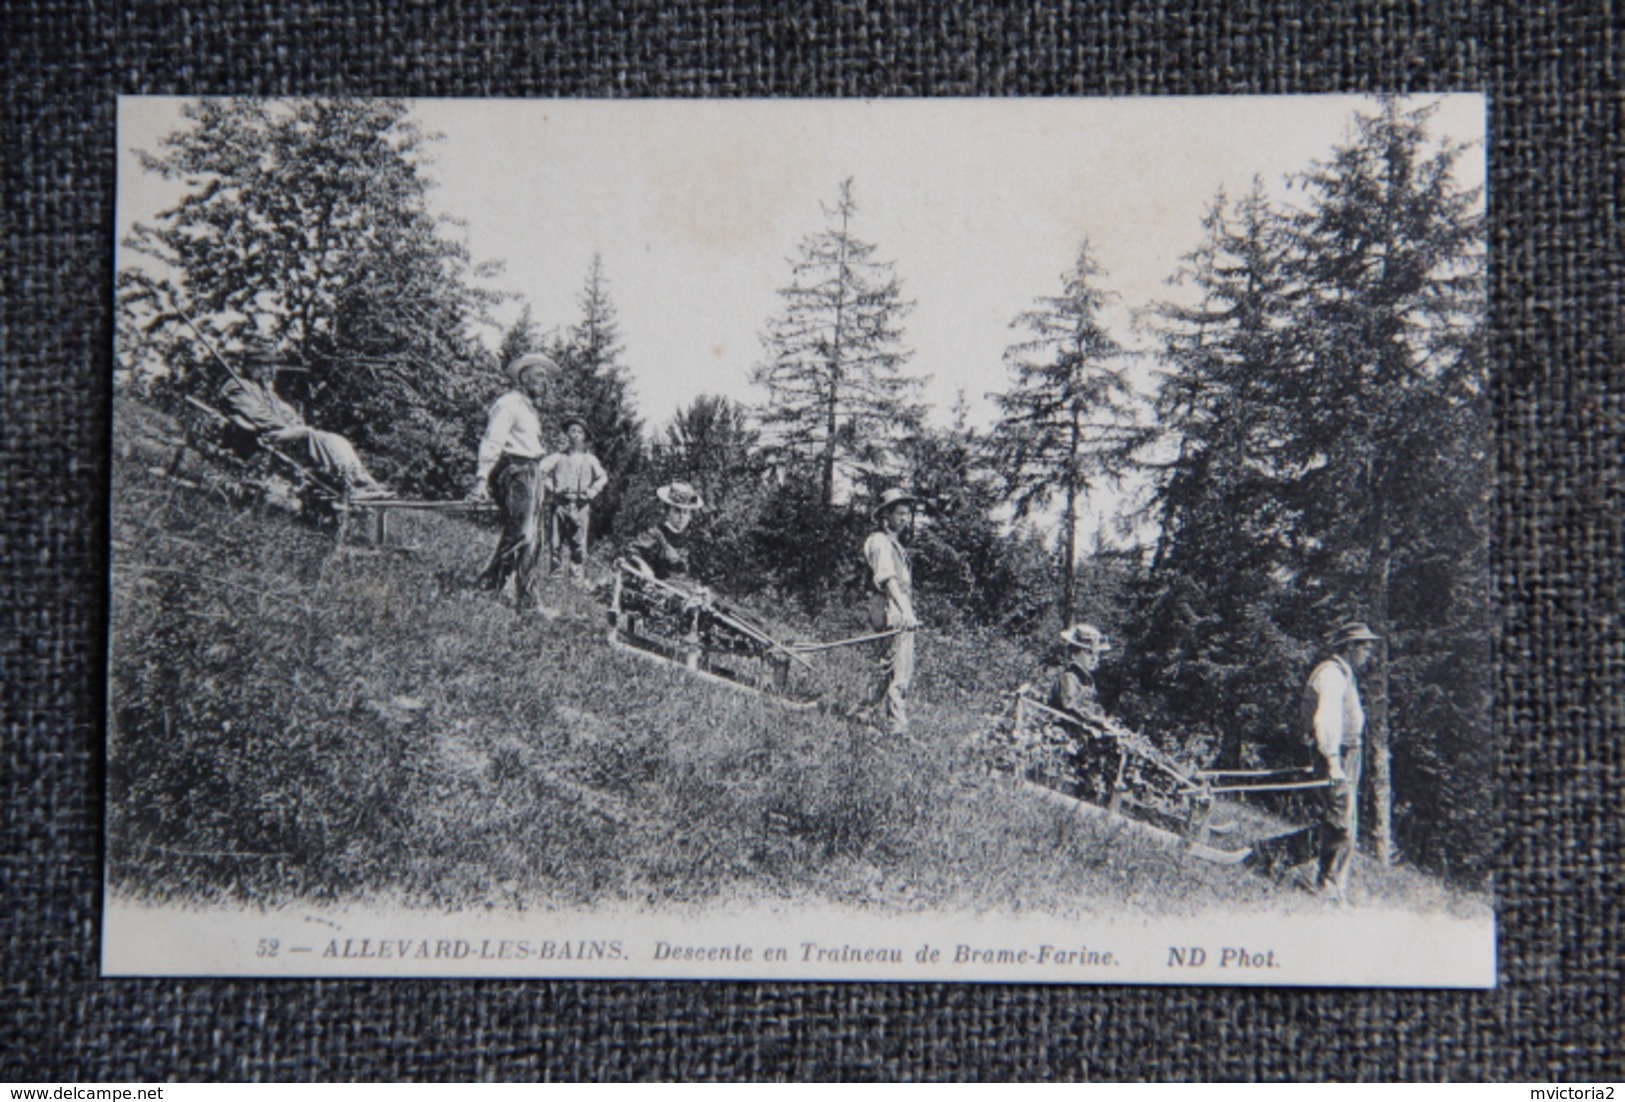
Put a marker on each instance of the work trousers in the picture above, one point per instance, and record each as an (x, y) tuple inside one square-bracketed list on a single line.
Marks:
[(517, 487), (1339, 823), (569, 534), (896, 679), (331, 453)]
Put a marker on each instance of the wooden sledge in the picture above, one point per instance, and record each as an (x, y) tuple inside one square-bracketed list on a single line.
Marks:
[(712, 642), (1099, 768), (381, 508)]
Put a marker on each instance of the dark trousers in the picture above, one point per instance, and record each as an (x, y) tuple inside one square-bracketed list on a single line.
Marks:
[(516, 486), (569, 535), (1339, 811)]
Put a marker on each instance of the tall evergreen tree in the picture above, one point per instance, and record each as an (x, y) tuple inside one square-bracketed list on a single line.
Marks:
[(306, 221), (1394, 427), (837, 394), (961, 553), (1213, 631), (521, 337), (1068, 421), (1325, 396)]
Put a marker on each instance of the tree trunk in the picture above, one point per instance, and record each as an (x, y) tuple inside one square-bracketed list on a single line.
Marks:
[(1381, 773), (827, 474), (1069, 541), (837, 357)]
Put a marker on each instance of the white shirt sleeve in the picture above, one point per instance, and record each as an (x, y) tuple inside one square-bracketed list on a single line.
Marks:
[(497, 430), (882, 560), (1331, 686)]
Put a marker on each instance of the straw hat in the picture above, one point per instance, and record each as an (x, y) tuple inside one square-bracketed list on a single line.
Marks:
[(520, 364), (894, 496), (1354, 632), (680, 495), (1085, 635)]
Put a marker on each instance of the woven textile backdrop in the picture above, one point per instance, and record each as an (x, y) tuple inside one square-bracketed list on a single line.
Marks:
[(1556, 156)]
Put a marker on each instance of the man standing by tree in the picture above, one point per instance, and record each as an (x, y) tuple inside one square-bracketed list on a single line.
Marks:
[(510, 459), (574, 478), (1331, 717), (891, 606)]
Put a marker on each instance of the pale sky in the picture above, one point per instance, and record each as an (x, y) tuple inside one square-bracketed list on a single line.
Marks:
[(696, 207)]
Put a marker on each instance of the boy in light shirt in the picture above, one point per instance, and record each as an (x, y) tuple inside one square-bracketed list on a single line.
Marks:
[(574, 478)]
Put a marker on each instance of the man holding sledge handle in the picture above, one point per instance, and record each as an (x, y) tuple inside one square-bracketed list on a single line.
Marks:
[(1333, 721), (510, 459), (891, 605)]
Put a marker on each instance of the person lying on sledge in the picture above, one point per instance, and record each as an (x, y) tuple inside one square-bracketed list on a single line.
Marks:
[(254, 405)]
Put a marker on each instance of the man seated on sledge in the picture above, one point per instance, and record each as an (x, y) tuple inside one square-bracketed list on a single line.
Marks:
[(253, 404), (1074, 690), (1095, 741), (661, 550)]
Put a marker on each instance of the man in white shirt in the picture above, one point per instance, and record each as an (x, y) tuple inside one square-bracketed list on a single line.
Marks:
[(574, 478), (1333, 719), (891, 606), (510, 459)]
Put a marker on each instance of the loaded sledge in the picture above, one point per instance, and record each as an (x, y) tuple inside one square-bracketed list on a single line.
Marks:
[(1100, 767), (685, 625)]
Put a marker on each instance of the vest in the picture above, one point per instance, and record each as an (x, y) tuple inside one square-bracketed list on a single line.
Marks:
[(1353, 713)]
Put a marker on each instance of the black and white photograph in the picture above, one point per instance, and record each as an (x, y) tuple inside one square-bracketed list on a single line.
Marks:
[(1023, 540)]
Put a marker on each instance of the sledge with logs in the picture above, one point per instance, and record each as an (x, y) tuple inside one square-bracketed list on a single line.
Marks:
[(684, 625), (1098, 767)]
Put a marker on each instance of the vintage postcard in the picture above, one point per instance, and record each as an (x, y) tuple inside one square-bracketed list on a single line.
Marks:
[(967, 540)]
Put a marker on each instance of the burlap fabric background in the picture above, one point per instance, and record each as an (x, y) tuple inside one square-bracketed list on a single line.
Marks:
[(1553, 74)]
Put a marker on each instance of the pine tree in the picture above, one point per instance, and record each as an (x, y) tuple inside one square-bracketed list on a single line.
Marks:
[(837, 395), (1325, 401), (1068, 421), (1209, 636), (521, 337), (959, 549), (1394, 426)]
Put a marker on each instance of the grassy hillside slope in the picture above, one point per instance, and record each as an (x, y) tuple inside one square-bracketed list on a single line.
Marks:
[(296, 719)]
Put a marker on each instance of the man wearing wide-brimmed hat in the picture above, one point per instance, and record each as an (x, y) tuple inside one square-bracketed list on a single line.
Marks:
[(1074, 691), (891, 605), (509, 471), (661, 550), (1333, 721), (254, 404), (574, 479)]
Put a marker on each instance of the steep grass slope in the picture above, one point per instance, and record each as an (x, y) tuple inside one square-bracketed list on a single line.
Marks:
[(292, 719)]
